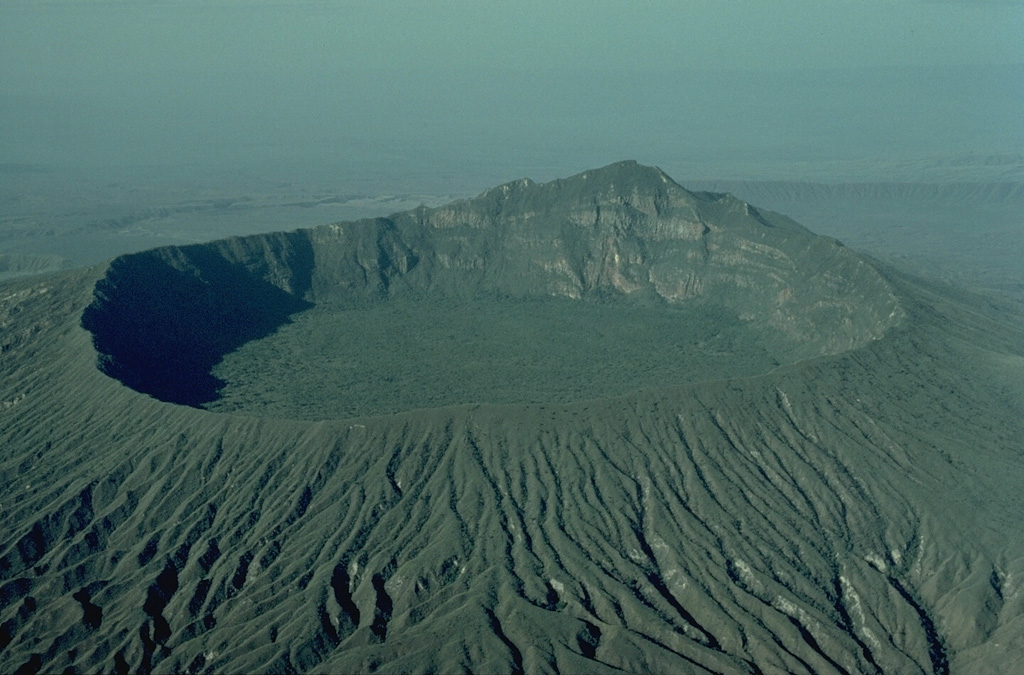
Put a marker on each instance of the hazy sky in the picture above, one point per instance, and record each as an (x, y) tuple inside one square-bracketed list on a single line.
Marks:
[(520, 82), (48, 41)]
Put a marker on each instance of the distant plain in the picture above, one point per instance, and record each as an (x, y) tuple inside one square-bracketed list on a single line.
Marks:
[(591, 423), (592, 494), (959, 219)]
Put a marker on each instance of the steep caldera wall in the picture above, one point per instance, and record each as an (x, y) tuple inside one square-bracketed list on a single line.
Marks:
[(161, 319)]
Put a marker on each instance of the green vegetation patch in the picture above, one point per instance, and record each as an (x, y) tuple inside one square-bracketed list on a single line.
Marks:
[(406, 354)]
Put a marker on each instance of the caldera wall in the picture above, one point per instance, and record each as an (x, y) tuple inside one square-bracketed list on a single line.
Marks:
[(163, 318)]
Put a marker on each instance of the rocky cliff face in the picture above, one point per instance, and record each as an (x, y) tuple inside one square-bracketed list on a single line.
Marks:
[(853, 513), (624, 232)]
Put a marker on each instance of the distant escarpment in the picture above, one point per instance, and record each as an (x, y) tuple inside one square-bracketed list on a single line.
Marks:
[(625, 233)]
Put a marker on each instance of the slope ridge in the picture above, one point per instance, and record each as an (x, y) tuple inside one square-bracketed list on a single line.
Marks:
[(853, 512), (645, 519), (623, 233)]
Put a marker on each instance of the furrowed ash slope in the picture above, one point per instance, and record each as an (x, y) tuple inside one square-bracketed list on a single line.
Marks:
[(855, 509)]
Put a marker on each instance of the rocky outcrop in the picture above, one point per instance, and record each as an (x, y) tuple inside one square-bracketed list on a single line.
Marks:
[(854, 513), (163, 318)]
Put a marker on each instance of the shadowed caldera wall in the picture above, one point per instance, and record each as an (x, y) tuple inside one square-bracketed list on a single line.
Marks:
[(163, 318)]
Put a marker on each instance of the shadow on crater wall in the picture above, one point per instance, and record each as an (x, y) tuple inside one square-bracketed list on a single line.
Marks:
[(163, 318)]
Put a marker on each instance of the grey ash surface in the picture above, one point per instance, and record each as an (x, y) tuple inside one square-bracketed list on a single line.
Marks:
[(855, 508)]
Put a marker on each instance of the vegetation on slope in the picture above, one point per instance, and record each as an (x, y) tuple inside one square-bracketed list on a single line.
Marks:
[(624, 236), (853, 512)]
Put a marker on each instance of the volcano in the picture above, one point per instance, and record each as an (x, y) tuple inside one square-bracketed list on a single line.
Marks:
[(598, 424)]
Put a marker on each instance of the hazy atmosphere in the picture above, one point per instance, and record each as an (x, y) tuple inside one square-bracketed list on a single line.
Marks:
[(680, 337), (129, 125), (458, 95)]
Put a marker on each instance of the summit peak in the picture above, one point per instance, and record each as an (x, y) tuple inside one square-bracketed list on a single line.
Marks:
[(625, 181), (627, 172)]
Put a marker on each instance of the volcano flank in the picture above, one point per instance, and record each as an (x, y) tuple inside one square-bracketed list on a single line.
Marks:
[(498, 299), (598, 424)]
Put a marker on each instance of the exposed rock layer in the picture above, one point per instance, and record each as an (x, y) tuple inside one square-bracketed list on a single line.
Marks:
[(853, 512), (163, 318)]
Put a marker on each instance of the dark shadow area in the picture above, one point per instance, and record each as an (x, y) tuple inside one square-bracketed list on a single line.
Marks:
[(163, 318)]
